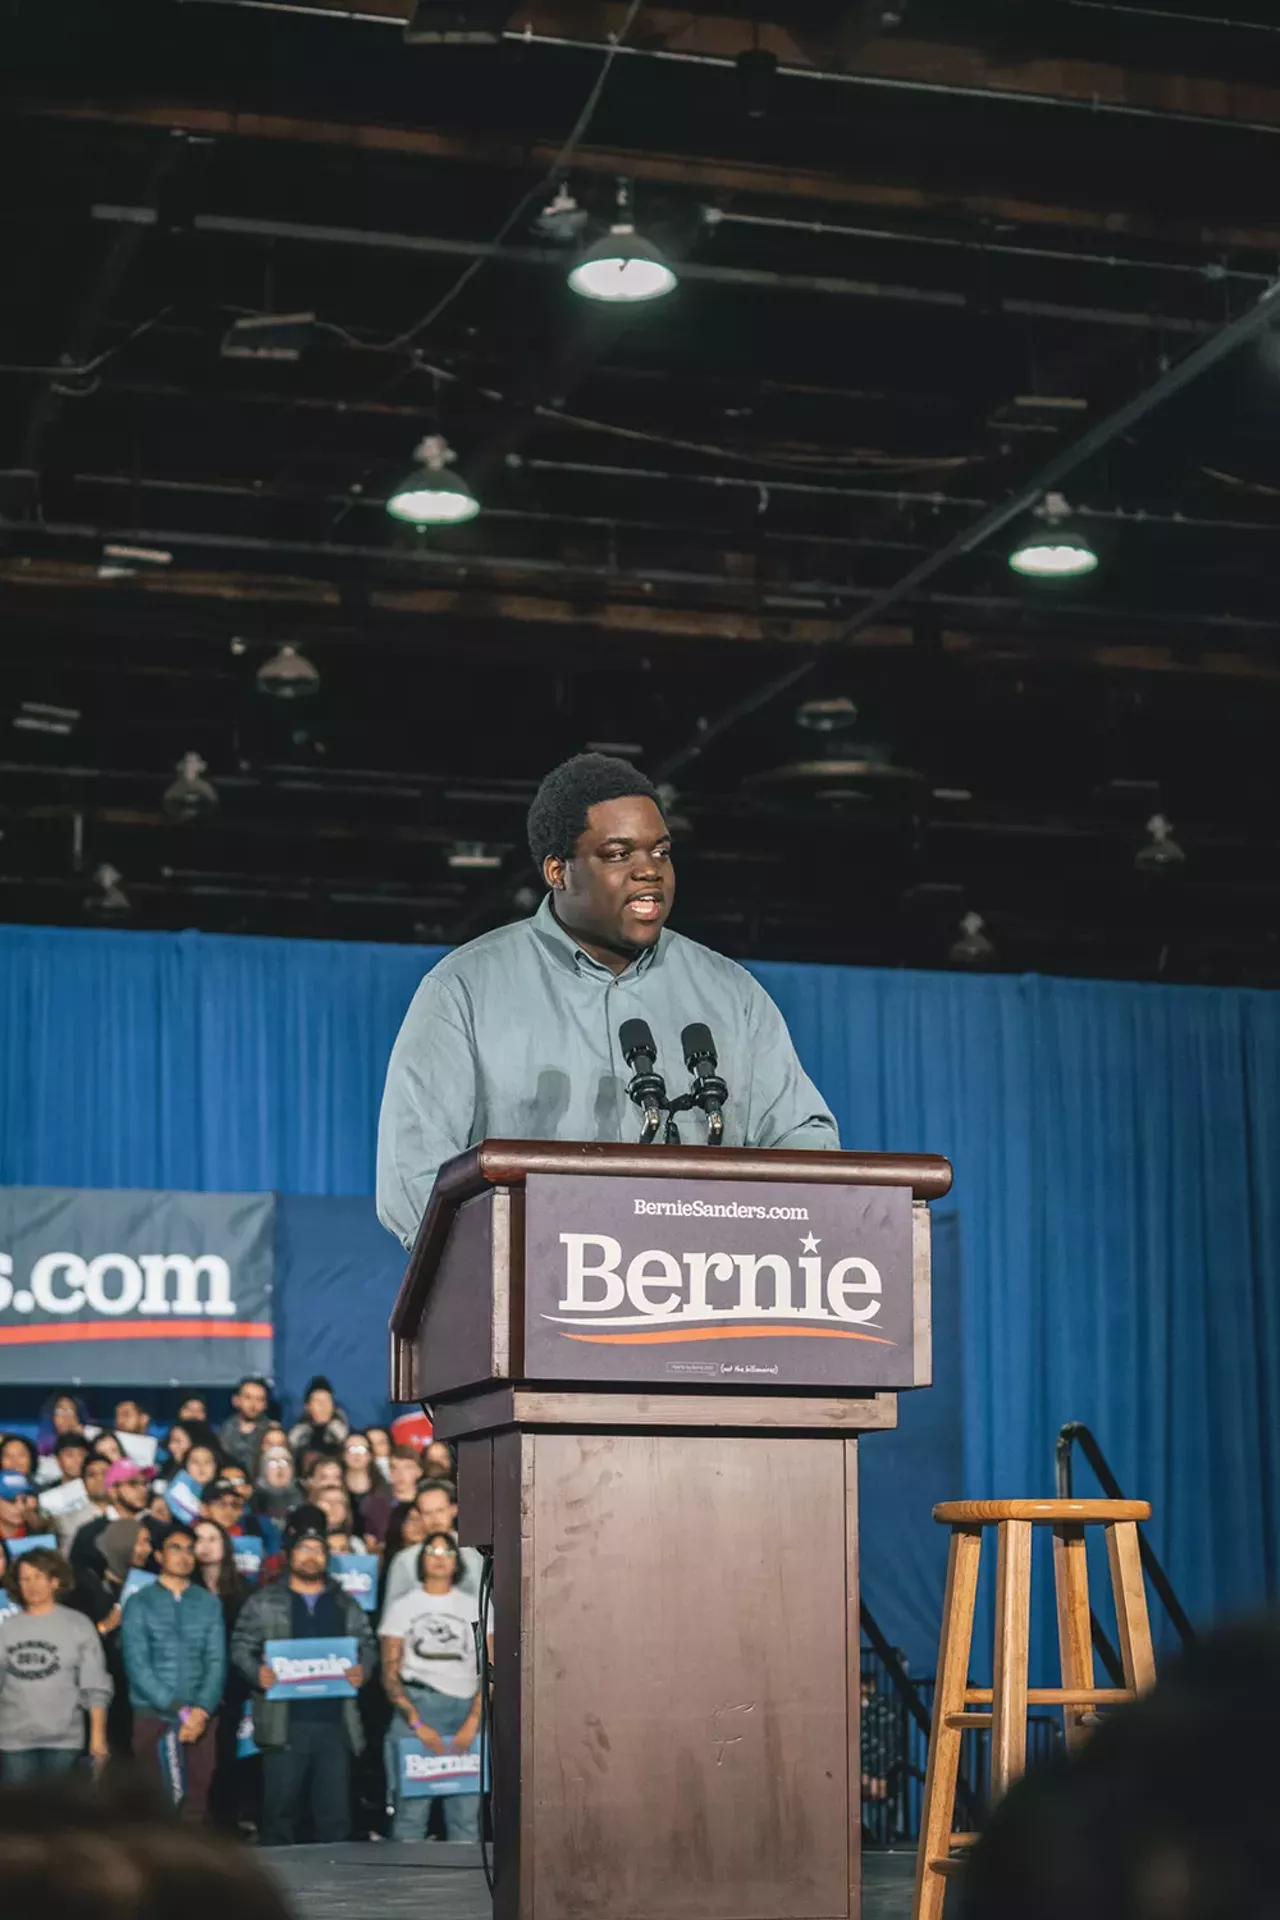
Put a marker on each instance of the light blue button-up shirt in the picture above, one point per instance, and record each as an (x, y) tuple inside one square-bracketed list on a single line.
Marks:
[(515, 1037)]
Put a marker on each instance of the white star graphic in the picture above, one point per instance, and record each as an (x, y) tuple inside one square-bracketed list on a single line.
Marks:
[(809, 1244)]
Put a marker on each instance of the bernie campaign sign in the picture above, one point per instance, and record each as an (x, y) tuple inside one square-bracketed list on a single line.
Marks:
[(357, 1575), (313, 1669)]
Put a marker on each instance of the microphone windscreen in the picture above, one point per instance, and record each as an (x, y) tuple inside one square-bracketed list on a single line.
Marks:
[(698, 1045), (635, 1038)]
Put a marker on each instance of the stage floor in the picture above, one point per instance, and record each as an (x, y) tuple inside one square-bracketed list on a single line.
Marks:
[(435, 1881)]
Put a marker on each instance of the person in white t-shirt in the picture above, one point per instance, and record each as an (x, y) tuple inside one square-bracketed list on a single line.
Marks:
[(431, 1676)]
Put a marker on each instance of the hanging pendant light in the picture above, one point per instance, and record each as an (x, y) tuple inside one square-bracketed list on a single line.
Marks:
[(1054, 549), (622, 268), (431, 496)]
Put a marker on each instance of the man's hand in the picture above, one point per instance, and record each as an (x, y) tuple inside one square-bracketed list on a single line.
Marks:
[(429, 1737), (193, 1726), (464, 1737), (355, 1677), (111, 1621), (266, 1679), (99, 1754)]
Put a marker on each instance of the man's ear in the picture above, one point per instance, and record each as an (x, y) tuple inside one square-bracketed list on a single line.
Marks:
[(553, 869)]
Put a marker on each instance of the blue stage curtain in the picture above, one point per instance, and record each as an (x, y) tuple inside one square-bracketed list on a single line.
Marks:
[(1117, 1153)]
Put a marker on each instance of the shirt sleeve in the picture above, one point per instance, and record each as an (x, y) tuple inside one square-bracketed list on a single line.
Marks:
[(428, 1106), (786, 1108), (96, 1686)]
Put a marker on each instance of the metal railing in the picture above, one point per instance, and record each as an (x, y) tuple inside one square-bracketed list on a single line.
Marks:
[(1076, 1434)]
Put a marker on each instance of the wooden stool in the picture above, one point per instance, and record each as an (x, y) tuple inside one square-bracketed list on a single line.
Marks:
[(1008, 1699)]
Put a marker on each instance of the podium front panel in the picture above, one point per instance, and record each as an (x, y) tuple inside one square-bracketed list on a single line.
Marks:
[(670, 1282)]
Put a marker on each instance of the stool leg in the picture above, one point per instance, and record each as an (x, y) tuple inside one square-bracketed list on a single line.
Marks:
[(1130, 1593), (1013, 1652), (1075, 1643), (938, 1813)]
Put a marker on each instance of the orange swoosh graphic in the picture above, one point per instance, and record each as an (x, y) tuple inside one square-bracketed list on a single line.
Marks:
[(729, 1333), (136, 1330)]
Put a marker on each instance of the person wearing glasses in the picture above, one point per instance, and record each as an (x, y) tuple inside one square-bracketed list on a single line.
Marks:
[(431, 1676)]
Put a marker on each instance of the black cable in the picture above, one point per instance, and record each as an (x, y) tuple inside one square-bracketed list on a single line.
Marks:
[(486, 1713)]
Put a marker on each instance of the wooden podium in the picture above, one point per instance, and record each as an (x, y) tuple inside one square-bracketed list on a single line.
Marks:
[(655, 1363)]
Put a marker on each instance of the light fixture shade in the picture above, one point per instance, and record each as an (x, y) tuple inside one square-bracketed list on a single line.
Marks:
[(288, 675), (433, 497), (622, 268), (1053, 553)]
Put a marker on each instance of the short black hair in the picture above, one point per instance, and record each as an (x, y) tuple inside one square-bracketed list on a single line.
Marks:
[(439, 1485), (459, 1571), (558, 816)]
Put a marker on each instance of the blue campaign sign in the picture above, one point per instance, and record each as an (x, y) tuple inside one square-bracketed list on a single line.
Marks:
[(18, 1547), (247, 1549), (246, 1745), (138, 1579), (357, 1575), (311, 1669), (184, 1495), (439, 1775)]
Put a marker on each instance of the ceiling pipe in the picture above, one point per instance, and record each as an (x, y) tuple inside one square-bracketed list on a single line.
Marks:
[(885, 496), (690, 270)]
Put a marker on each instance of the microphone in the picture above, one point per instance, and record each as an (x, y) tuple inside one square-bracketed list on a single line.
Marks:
[(709, 1090), (648, 1088)]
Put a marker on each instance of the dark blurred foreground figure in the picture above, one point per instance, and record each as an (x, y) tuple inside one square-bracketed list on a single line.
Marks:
[(73, 1850), (1171, 1812)]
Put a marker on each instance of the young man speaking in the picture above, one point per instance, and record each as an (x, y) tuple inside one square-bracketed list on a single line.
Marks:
[(515, 1035)]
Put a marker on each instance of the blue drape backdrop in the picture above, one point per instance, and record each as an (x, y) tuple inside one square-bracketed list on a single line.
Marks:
[(1114, 1233)]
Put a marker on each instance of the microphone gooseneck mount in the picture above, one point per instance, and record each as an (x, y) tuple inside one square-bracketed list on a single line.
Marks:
[(648, 1090)]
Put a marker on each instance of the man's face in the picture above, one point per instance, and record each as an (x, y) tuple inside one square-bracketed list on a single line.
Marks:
[(71, 1461), (618, 885), (178, 1557), (14, 1457), (405, 1475), (324, 1474), (226, 1510), (438, 1510), (238, 1477), (438, 1459), (11, 1512), (130, 1418), (252, 1400), (95, 1479), (320, 1407), (308, 1560), (130, 1496), (193, 1408)]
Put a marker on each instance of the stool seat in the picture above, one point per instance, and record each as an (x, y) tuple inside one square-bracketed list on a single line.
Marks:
[(1050, 1513), (959, 1708)]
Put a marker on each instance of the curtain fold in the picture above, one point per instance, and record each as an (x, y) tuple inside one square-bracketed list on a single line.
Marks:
[(1116, 1151)]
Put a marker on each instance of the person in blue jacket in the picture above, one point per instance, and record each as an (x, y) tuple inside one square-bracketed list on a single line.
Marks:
[(175, 1658)]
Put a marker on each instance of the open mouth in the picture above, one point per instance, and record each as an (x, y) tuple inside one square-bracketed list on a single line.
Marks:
[(646, 906)]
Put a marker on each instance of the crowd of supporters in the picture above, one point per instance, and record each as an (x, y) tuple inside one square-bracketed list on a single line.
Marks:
[(147, 1580)]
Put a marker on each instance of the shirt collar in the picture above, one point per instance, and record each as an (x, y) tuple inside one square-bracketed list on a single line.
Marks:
[(570, 954)]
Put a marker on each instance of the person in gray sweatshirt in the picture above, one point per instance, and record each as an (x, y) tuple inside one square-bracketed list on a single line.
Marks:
[(52, 1673)]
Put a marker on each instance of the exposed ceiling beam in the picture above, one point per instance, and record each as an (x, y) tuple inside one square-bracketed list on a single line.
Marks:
[(891, 58), (1217, 654), (691, 173)]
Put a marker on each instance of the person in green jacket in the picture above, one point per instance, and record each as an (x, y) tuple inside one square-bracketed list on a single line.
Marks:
[(175, 1658)]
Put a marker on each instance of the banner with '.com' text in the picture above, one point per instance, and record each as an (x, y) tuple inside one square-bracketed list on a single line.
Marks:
[(121, 1288)]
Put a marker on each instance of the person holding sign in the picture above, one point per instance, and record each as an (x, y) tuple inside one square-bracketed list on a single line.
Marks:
[(431, 1676), (306, 1726)]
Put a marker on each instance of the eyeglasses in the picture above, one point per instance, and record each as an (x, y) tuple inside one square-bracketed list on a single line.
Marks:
[(441, 1553)]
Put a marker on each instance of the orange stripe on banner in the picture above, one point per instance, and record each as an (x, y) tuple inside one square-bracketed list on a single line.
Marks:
[(729, 1333), (136, 1330)]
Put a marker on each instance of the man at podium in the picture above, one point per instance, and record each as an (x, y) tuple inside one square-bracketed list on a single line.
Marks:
[(537, 1030)]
